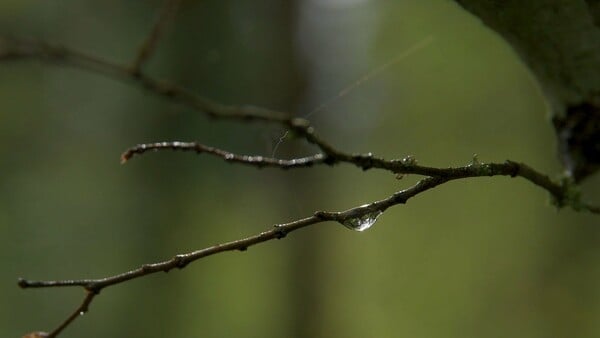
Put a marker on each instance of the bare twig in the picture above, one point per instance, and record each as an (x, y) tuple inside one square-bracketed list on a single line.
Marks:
[(79, 311), (258, 161), (149, 45), (94, 286), (560, 191), (564, 192), (22, 49)]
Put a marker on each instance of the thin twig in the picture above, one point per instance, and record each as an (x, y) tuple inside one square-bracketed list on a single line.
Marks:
[(407, 165), (79, 311), (22, 49), (563, 192), (145, 51), (94, 286), (258, 161)]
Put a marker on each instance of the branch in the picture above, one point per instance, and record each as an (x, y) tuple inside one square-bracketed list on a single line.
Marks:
[(353, 218), (564, 193), (258, 161), (149, 45), (22, 49), (79, 311), (559, 41), (357, 218)]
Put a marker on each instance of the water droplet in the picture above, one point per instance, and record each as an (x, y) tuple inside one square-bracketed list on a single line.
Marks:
[(81, 313), (362, 223), (474, 162), (409, 160)]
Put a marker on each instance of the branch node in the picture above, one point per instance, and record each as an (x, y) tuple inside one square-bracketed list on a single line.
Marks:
[(514, 166), (93, 288), (365, 161), (280, 231), (147, 267), (406, 161), (322, 215), (180, 261), (330, 160)]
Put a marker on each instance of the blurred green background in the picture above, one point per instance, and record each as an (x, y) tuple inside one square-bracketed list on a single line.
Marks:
[(482, 257)]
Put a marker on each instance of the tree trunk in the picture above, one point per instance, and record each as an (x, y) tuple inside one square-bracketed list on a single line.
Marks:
[(559, 40)]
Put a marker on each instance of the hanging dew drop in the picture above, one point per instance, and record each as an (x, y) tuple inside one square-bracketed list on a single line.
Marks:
[(362, 223)]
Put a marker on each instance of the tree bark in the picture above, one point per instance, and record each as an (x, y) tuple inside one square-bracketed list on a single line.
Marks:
[(559, 41)]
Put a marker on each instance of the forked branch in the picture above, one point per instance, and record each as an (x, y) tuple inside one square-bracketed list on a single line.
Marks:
[(564, 193), (350, 218)]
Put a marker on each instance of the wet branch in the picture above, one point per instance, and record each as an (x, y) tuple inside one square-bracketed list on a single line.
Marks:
[(258, 161), (564, 193), (350, 218), (279, 231)]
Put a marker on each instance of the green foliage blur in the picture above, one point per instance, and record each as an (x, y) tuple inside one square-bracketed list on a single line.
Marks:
[(486, 257)]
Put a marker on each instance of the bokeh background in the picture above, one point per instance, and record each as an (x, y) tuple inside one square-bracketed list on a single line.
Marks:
[(485, 257)]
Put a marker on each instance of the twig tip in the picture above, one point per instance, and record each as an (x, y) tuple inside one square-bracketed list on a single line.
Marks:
[(22, 282), (126, 156)]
